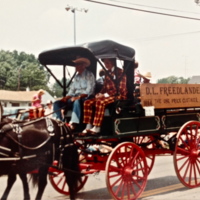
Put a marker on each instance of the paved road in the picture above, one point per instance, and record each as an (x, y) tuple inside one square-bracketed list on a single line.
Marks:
[(162, 185), (95, 188)]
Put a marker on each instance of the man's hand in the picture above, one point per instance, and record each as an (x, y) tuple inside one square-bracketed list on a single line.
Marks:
[(64, 99), (78, 97), (99, 95), (75, 98)]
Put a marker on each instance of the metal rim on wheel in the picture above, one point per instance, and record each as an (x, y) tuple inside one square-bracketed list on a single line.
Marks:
[(126, 171), (187, 154)]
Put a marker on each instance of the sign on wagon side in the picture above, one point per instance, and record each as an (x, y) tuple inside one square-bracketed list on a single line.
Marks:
[(170, 95)]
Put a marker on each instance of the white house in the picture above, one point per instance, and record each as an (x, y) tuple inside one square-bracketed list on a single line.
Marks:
[(21, 98), (194, 80)]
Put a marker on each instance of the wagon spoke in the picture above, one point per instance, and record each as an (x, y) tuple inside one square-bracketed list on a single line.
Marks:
[(117, 181), (196, 131), (128, 180), (140, 178), (180, 158), (127, 190), (63, 185), (119, 188), (198, 162), (151, 145), (187, 168), (184, 164), (123, 189), (115, 168), (195, 173), (186, 155), (185, 152), (59, 180), (134, 159), (133, 189), (136, 183), (185, 141), (190, 173)]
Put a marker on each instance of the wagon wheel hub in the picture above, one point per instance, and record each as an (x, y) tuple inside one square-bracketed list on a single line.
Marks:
[(128, 172), (194, 155), (194, 151)]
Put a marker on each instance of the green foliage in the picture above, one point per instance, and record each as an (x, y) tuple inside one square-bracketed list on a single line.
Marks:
[(173, 80), (57, 90), (20, 70)]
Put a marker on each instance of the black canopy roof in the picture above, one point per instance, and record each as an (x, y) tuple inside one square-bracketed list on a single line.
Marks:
[(92, 50), (110, 49)]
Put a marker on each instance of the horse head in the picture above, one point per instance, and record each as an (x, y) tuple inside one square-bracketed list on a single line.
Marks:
[(3, 119)]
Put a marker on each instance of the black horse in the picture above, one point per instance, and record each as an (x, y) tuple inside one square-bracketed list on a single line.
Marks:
[(27, 146)]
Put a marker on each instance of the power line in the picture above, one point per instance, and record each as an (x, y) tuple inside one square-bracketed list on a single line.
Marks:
[(141, 10), (165, 36), (141, 5)]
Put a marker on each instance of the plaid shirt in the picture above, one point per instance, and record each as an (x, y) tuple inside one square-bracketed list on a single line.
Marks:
[(109, 85)]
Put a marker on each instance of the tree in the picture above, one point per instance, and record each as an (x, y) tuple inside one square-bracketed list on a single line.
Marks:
[(57, 90), (20, 70), (173, 80)]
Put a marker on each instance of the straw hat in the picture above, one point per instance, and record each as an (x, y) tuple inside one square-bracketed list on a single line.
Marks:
[(49, 102), (146, 75), (82, 60), (41, 91)]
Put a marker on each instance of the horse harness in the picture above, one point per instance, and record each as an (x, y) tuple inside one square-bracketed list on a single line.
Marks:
[(18, 128)]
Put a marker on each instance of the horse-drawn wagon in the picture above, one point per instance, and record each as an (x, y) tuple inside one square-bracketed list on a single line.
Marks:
[(164, 122)]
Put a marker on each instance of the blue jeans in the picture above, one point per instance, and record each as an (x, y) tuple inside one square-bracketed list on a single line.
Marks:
[(75, 106)]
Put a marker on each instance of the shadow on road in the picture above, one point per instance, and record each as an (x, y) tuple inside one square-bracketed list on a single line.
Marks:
[(155, 186), (162, 185), (161, 182), (99, 194)]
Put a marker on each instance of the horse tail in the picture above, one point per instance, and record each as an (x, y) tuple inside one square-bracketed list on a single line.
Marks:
[(34, 179), (72, 172)]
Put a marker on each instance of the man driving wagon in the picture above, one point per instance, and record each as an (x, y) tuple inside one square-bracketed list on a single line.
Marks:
[(81, 89)]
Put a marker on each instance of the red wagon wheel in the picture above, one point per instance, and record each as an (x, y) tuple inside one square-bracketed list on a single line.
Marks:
[(149, 158), (58, 179), (126, 171), (187, 154)]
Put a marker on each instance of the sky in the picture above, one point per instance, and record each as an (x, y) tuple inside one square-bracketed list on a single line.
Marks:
[(164, 45)]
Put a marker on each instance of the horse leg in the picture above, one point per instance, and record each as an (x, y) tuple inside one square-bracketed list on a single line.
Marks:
[(42, 182), (25, 186), (70, 182), (11, 179), (71, 161)]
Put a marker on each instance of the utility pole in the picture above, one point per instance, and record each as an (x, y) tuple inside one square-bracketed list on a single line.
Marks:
[(73, 10)]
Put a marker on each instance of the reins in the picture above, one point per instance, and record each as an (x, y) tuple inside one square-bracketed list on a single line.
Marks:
[(26, 147), (18, 130)]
